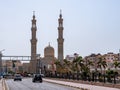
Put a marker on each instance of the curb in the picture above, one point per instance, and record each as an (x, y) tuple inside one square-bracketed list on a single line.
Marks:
[(109, 85), (4, 85), (67, 85)]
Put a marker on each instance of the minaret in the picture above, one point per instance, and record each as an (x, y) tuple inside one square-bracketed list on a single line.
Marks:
[(33, 44), (60, 38)]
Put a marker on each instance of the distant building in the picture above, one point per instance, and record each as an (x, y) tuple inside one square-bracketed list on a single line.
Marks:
[(110, 58), (14, 66), (71, 57), (94, 58), (25, 67)]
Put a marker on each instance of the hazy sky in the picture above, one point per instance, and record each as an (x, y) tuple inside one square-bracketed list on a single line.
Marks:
[(90, 26)]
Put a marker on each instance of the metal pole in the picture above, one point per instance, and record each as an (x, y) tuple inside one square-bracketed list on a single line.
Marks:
[(1, 62), (119, 55)]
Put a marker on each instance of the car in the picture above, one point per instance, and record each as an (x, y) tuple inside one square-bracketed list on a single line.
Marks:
[(29, 75), (17, 77), (37, 78)]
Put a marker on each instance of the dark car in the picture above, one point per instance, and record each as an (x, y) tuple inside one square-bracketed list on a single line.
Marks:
[(17, 77), (37, 78)]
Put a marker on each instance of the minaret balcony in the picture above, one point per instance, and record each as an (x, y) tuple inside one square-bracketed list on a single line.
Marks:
[(60, 28), (60, 40)]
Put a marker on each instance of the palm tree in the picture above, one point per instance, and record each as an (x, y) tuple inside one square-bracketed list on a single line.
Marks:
[(116, 64), (102, 63), (67, 68), (88, 69), (78, 63), (89, 63), (85, 71), (58, 66), (67, 65), (63, 68), (57, 63)]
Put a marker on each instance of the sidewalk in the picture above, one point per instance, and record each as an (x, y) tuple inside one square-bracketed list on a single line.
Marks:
[(79, 85), (1, 84)]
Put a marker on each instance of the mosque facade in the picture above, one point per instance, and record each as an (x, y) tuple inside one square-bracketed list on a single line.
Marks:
[(46, 64)]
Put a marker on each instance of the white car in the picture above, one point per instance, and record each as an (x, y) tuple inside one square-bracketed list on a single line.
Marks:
[(17, 77)]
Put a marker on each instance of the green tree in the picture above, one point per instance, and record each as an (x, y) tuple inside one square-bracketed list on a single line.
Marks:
[(102, 63), (87, 68), (116, 64), (62, 68), (89, 64), (67, 65), (78, 63), (58, 66)]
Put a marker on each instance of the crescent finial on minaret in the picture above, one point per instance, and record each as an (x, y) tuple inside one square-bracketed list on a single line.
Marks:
[(33, 12), (60, 13), (49, 44)]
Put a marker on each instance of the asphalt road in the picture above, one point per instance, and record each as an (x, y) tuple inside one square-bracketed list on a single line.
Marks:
[(27, 84)]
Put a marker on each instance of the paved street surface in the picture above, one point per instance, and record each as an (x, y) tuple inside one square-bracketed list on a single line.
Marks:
[(27, 84), (89, 87)]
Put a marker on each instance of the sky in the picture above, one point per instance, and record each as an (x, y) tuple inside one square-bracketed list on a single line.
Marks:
[(90, 26)]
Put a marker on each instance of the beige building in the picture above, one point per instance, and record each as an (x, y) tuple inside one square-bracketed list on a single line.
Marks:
[(25, 67), (110, 58), (94, 58), (71, 57), (47, 62), (8, 66)]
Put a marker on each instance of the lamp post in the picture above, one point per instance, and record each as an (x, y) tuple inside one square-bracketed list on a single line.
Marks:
[(13, 66), (2, 50), (1, 61), (38, 64), (119, 55)]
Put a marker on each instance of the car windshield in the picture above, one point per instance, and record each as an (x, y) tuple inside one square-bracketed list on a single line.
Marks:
[(17, 75)]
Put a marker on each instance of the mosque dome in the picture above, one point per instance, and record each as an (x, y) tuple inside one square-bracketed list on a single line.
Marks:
[(49, 51)]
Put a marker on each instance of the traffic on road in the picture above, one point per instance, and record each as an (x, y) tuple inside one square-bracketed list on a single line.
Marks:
[(27, 84)]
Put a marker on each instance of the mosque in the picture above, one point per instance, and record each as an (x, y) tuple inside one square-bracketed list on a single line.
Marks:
[(45, 64)]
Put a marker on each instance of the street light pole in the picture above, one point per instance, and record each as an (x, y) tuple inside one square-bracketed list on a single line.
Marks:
[(2, 50), (1, 61), (119, 55), (38, 63)]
